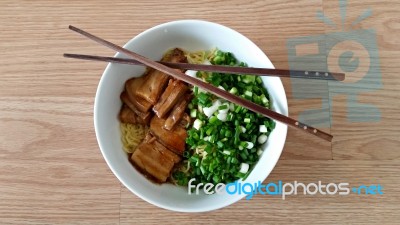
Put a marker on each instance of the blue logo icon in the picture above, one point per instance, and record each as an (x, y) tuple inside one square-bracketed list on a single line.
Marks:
[(351, 51)]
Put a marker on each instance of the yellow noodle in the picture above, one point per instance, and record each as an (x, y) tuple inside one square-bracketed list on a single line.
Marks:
[(132, 135), (196, 57)]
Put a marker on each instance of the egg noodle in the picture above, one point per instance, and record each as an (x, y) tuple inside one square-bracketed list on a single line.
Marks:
[(199, 57), (132, 135)]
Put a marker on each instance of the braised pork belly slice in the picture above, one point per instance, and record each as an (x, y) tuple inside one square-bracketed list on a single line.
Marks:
[(148, 138), (131, 87), (151, 160), (153, 86), (177, 56), (164, 150), (177, 112), (185, 121), (155, 81), (126, 115), (173, 139), (144, 116), (172, 94)]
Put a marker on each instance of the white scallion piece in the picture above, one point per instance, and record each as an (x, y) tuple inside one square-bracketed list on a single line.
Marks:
[(193, 113), (222, 116), (209, 111), (226, 152), (248, 94), (262, 139), (263, 129), (243, 129), (244, 167), (250, 145), (197, 124), (191, 73), (232, 107), (264, 99)]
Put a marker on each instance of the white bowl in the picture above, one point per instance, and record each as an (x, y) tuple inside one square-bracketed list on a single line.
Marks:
[(153, 43)]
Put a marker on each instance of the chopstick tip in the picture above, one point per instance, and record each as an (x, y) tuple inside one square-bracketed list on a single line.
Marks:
[(73, 28), (339, 76)]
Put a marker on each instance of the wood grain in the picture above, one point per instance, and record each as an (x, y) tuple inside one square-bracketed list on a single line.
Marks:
[(52, 172), (51, 168)]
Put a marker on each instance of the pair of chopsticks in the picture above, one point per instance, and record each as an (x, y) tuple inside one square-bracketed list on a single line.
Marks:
[(222, 69), (168, 68)]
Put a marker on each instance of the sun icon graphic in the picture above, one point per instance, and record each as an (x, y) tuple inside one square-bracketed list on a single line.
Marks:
[(350, 51)]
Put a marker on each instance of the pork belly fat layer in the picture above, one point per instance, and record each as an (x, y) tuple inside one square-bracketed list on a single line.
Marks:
[(150, 159), (169, 155), (149, 138), (173, 139)]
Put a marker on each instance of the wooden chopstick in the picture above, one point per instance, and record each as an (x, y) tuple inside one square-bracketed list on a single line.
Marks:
[(208, 87), (223, 69)]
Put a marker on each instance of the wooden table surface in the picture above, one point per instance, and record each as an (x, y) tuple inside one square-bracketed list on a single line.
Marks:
[(51, 169)]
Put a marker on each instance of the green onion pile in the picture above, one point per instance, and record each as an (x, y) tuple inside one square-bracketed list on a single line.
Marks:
[(223, 143)]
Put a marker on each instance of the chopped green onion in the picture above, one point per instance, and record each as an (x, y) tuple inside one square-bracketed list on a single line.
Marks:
[(233, 90), (243, 144), (264, 99), (244, 167), (229, 117), (193, 113), (262, 139), (197, 124), (213, 119), (259, 80), (224, 106), (263, 129), (224, 141), (248, 79), (226, 152), (248, 93)]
